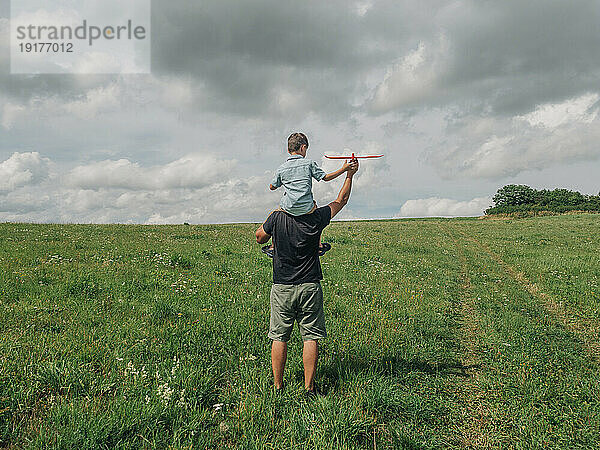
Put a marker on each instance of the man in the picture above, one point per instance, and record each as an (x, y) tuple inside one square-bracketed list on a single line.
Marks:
[(296, 293)]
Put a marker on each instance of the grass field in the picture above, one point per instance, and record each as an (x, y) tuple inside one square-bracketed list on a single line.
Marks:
[(442, 333)]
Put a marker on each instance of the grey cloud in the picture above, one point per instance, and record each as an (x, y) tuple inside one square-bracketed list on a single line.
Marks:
[(237, 77), (241, 50), (506, 57)]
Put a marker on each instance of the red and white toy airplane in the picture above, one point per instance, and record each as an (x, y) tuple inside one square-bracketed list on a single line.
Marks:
[(353, 156)]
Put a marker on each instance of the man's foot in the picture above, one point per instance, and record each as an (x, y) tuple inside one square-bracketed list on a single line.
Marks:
[(324, 247), (311, 394), (279, 390), (268, 250)]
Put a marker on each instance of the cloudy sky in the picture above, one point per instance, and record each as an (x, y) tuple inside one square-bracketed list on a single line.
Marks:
[(463, 97)]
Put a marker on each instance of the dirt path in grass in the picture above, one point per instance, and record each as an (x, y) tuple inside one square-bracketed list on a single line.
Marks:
[(585, 328), (475, 417)]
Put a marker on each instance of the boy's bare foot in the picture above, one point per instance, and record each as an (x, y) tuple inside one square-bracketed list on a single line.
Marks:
[(324, 247), (268, 250)]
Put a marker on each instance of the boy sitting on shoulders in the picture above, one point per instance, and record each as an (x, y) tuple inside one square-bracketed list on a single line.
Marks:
[(296, 175)]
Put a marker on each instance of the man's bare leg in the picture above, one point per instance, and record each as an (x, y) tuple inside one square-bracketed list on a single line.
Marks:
[(310, 356), (278, 357)]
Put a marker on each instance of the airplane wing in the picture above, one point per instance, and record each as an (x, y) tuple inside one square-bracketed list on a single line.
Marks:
[(353, 156)]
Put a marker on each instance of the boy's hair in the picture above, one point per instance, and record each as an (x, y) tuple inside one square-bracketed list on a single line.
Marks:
[(295, 141)]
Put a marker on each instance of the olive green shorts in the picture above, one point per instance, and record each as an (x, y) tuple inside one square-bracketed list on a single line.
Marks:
[(299, 302)]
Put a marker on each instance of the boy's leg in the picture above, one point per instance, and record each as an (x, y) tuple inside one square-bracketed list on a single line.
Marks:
[(322, 248), (314, 208), (273, 240)]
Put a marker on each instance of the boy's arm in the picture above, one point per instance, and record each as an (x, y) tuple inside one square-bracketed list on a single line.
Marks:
[(276, 182), (337, 173)]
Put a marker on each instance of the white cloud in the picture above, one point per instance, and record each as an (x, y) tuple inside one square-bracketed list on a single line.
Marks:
[(444, 207), (415, 78), (491, 156), (100, 103), (101, 62), (193, 171), (494, 148), (190, 189), (175, 92), (363, 7), (10, 114), (103, 99), (574, 110), (44, 110), (77, 201), (56, 17), (32, 199), (22, 169), (285, 100)]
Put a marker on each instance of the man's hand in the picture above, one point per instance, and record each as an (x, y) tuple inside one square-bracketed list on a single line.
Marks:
[(352, 167), (348, 165)]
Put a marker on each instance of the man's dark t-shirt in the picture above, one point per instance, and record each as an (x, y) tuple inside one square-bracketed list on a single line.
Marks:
[(296, 239)]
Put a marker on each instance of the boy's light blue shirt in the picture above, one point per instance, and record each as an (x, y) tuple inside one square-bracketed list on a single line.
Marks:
[(296, 175)]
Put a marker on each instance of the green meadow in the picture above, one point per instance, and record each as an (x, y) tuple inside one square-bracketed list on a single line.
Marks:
[(443, 333)]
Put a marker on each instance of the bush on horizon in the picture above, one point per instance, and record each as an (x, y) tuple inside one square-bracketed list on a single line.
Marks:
[(521, 198)]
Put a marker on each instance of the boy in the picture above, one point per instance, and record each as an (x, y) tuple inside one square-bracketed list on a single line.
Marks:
[(296, 175)]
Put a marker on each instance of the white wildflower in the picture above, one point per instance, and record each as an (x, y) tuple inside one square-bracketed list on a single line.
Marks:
[(175, 365), (181, 402), (131, 370), (165, 392)]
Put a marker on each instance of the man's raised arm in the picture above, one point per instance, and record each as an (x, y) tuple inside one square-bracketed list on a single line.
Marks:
[(344, 194)]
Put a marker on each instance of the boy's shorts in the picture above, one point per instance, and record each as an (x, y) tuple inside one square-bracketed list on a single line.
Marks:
[(301, 302)]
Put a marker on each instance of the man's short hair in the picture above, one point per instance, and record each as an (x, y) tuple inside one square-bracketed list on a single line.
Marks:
[(295, 141)]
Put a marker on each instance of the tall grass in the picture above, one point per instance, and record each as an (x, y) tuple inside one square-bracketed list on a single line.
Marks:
[(155, 336)]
